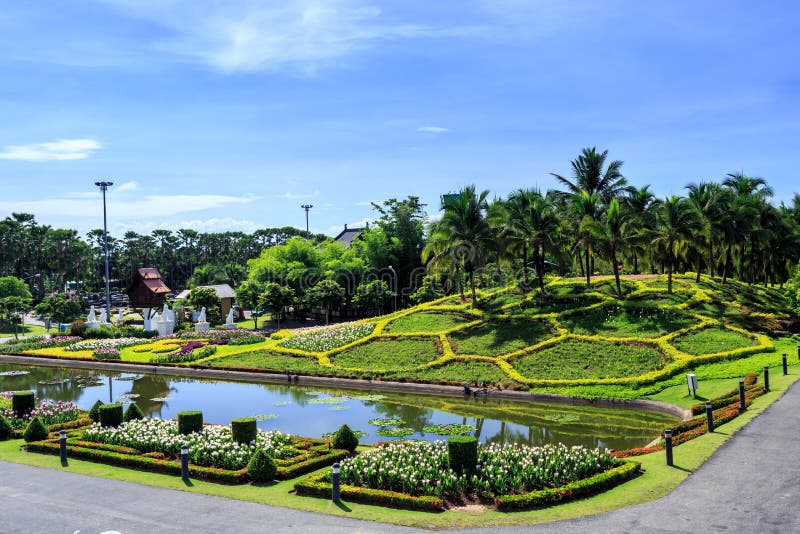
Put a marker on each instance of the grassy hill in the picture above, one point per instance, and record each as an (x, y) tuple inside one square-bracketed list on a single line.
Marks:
[(578, 341)]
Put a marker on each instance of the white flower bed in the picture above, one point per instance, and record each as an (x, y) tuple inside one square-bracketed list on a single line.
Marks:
[(324, 339), (421, 468), (214, 446), (94, 344)]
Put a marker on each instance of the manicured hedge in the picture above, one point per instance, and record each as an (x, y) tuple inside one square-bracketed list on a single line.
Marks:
[(320, 486), (286, 472), (190, 421), (77, 423), (462, 453), (22, 402), (111, 414), (142, 462), (244, 430), (751, 392), (573, 490)]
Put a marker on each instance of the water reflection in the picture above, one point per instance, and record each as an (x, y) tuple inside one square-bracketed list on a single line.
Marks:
[(315, 411)]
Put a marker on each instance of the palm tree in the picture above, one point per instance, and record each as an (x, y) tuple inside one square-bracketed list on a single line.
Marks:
[(640, 204), (438, 257), (588, 175), (466, 225), (587, 209), (676, 222), (613, 234), (709, 201)]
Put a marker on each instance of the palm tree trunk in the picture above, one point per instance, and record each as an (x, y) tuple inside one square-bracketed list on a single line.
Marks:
[(539, 272), (525, 265), (725, 267), (669, 268), (635, 263), (711, 258), (588, 272), (472, 285), (616, 270)]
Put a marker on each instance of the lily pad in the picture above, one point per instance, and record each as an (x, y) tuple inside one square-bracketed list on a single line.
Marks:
[(282, 403), (339, 408), (398, 432), (370, 397), (14, 373), (54, 381), (562, 418), (453, 429), (129, 378), (327, 400), (129, 396), (265, 416), (394, 421), (161, 399)]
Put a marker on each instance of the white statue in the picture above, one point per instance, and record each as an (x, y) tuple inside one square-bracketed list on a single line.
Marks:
[(120, 317), (103, 316), (229, 324), (92, 318), (202, 318), (202, 324)]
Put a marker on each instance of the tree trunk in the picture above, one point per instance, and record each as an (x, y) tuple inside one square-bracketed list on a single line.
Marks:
[(616, 270), (588, 271), (472, 286), (711, 258), (539, 272), (635, 263), (669, 268), (725, 267), (525, 265)]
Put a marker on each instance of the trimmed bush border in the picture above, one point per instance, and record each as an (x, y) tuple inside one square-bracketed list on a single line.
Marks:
[(129, 457), (320, 486), (574, 490), (69, 425)]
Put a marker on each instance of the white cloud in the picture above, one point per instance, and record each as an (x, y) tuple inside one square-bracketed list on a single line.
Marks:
[(61, 150), (127, 186), (297, 196), (213, 224), (139, 208), (247, 36), (433, 129)]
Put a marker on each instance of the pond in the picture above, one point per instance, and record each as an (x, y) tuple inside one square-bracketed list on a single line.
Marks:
[(314, 411)]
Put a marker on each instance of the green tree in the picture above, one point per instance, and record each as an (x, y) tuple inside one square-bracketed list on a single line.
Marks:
[(60, 307), (326, 293), (588, 175), (373, 295), (276, 297), (613, 234), (205, 297), (14, 300), (247, 296), (677, 221)]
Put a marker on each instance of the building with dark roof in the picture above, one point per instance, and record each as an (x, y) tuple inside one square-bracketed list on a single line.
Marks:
[(348, 235), (147, 289)]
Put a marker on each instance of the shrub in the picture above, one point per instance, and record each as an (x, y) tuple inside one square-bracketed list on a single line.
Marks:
[(345, 439), (261, 467), (190, 421), (5, 429), (35, 431), (750, 379), (133, 412), (244, 429), (22, 402), (462, 453), (111, 414), (104, 332), (94, 412), (77, 328)]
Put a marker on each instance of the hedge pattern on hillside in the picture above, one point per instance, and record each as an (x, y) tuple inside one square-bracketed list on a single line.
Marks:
[(675, 360)]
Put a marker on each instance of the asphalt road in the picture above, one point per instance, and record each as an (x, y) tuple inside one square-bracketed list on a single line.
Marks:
[(751, 484)]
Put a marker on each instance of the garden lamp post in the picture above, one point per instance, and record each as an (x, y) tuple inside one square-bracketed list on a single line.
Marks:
[(394, 276), (307, 207), (103, 187)]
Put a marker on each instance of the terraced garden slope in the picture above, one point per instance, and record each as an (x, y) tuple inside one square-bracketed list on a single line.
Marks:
[(577, 341)]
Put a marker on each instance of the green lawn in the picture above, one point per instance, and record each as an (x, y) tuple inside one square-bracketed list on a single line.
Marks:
[(500, 337), (574, 359), (30, 330), (459, 372), (272, 361), (614, 321), (388, 355), (711, 340), (427, 322)]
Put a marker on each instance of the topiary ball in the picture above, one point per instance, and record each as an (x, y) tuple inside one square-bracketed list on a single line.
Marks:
[(133, 412), (5, 429), (345, 439), (35, 431), (261, 467), (94, 412)]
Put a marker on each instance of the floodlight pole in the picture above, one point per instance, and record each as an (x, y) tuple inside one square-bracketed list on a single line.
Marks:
[(103, 187), (307, 207), (394, 275)]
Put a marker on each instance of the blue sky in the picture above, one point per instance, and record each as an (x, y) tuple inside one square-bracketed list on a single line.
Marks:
[(229, 115)]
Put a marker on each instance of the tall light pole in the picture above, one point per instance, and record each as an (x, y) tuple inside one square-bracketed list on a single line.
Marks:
[(394, 273), (103, 186), (307, 207)]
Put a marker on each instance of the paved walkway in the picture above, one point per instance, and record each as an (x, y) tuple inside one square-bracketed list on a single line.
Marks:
[(749, 485)]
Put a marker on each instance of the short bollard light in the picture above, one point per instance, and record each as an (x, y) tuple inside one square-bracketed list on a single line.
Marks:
[(62, 440), (766, 379), (742, 406), (335, 482), (668, 446), (185, 462), (785, 365), (709, 417)]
